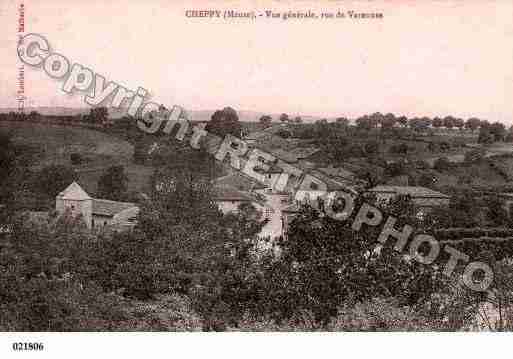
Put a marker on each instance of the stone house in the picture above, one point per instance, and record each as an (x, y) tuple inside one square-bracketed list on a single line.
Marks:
[(96, 213)]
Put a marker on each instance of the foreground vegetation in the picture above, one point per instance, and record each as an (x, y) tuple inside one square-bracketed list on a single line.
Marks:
[(186, 266)]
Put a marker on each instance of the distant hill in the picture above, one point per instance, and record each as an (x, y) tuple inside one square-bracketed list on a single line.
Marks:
[(201, 115), (49, 111)]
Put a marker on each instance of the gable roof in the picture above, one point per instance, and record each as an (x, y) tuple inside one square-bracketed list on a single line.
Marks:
[(74, 192), (291, 209), (108, 208), (272, 169), (413, 191), (338, 172), (304, 152), (228, 193), (331, 184), (239, 181)]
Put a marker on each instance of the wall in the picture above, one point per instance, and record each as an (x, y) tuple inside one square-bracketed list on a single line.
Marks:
[(85, 208)]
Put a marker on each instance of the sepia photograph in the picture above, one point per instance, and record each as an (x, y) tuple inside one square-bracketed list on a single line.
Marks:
[(297, 171)]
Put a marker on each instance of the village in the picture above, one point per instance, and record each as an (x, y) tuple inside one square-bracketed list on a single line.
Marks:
[(97, 173)]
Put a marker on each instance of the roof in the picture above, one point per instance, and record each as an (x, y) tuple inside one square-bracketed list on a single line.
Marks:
[(413, 191), (331, 184), (228, 193), (278, 152), (291, 209), (211, 142), (108, 208), (74, 192), (255, 135), (304, 152), (272, 169), (239, 181), (338, 172)]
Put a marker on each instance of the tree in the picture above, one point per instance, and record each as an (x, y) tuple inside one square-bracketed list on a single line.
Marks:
[(484, 124), (335, 146), (474, 155), (34, 115), (371, 148), (224, 122), (7, 167), (498, 130), (485, 136), (113, 184), (49, 282), (403, 120), (265, 120), (321, 130), (442, 164), (427, 180), (342, 121), (7, 156), (509, 135), (396, 168), (199, 251), (98, 115), (298, 119), (437, 122), (284, 118), (366, 122), (324, 264), (76, 158), (496, 212), (472, 123), (388, 121), (355, 150), (448, 122), (459, 123), (401, 148), (51, 180), (283, 133)]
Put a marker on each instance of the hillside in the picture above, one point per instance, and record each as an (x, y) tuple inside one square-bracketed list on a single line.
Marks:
[(53, 145)]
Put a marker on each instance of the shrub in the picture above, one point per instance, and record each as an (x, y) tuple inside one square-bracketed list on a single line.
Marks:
[(474, 155), (442, 164), (76, 159)]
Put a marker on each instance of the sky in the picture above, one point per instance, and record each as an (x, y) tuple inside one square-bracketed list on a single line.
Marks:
[(424, 58)]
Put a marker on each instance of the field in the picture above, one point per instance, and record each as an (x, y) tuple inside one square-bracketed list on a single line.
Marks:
[(54, 144)]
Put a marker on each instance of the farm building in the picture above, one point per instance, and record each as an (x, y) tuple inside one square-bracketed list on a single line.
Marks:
[(96, 213)]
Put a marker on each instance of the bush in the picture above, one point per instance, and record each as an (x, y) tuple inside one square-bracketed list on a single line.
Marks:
[(401, 148), (474, 155), (76, 159), (371, 148), (442, 164), (283, 133), (422, 165)]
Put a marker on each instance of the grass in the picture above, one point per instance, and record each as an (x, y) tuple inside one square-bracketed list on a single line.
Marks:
[(54, 144)]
